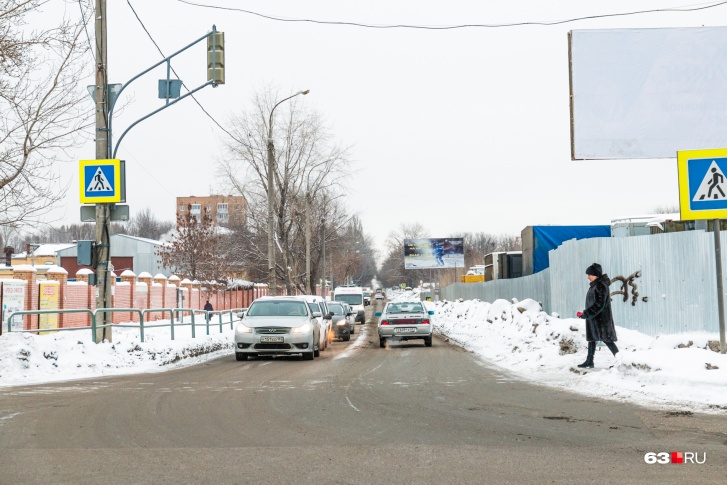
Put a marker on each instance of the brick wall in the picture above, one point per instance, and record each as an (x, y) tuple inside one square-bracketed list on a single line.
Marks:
[(131, 294), (122, 299), (77, 295)]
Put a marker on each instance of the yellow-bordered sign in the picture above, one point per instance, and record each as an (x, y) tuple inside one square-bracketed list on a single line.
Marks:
[(702, 184), (100, 181)]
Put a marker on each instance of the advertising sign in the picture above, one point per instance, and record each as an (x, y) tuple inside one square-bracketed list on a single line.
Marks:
[(433, 253), (49, 292), (646, 93), (13, 301), (702, 184)]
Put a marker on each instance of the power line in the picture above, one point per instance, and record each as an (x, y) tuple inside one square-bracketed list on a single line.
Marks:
[(459, 26), (175, 73)]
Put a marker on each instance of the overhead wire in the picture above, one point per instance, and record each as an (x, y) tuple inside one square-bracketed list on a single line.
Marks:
[(688, 8), (175, 73)]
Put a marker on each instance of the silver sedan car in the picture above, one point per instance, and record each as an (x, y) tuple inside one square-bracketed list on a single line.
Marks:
[(405, 320), (275, 325)]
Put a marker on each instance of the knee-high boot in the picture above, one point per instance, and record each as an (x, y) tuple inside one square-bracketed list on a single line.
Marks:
[(589, 359)]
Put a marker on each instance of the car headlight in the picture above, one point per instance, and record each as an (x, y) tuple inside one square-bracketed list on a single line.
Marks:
[(341, 322), (243, 329), (305, 328)]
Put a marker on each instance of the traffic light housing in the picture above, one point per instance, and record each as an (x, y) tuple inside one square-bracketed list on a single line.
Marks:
[(216, 57)]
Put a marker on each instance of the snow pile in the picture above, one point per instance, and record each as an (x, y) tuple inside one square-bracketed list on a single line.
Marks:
[(27, 358), (683, 371)]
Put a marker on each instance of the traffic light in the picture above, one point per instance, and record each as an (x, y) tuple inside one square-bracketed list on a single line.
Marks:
[(216, 57)]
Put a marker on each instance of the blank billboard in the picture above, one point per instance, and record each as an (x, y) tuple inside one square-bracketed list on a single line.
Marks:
[(434, 253), (646, 93)]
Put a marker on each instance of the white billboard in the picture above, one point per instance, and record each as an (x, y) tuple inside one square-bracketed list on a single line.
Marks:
[(646, 93)]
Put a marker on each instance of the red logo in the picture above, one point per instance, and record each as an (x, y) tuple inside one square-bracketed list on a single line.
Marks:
[(677, 458)]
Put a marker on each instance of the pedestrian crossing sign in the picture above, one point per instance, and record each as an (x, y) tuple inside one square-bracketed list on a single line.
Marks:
[(100, 181), (702, 184)]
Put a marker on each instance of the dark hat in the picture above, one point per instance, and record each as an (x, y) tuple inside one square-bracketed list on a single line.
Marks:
[(594, 270)]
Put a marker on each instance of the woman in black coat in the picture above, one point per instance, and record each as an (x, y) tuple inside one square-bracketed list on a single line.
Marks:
[(599, 320)]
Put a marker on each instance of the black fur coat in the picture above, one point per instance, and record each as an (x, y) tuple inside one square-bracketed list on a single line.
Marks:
[(599, 320)]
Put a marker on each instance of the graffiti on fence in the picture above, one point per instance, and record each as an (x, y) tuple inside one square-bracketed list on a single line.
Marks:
[(627, 282)]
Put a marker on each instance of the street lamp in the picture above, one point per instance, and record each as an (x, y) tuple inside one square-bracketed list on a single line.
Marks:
[(271, 195)]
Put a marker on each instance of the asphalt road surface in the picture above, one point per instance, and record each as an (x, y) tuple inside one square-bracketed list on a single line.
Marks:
[(358, 414)]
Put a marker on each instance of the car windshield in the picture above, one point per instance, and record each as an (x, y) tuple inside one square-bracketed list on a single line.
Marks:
[(404, 308), (271, 308), (335, 308), (350, 299), (367, 294)]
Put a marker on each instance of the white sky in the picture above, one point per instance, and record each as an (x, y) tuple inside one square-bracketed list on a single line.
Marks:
[(462, 130), (652, 372)]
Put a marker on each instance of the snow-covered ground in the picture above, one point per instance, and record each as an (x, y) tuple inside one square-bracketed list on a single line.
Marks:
[(27, 358), (680, 372)]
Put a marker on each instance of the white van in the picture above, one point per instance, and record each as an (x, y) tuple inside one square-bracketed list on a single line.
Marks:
[(353, 295)]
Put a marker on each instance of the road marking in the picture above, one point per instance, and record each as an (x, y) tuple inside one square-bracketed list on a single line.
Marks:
[(9, 416), (351, 404), (348, 387)]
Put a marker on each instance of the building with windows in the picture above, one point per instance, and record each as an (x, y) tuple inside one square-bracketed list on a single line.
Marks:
[(223, 209)]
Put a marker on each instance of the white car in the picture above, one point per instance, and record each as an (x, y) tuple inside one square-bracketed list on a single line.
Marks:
[(405, 320), (278, 325), (317, 304)]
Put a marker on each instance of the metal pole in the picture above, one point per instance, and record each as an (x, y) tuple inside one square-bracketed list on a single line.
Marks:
[(720, 289), (271, 196), (323, 239), (271, 211), (103, 226), (307, 244)]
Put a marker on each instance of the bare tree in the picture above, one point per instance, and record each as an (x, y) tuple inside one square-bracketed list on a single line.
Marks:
[(195, 251), (145, 224), (41, 101), (308, 163)]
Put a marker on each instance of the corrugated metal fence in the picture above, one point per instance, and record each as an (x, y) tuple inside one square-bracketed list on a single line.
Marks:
[(663, 283)]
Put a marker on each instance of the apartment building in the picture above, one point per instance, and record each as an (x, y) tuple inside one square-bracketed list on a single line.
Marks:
[(223, 209)]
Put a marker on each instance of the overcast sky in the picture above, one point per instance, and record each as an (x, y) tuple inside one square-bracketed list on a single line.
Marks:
[(461, 130)]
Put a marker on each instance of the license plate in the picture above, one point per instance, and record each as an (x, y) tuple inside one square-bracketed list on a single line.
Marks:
[(405, 330), (271, 339)]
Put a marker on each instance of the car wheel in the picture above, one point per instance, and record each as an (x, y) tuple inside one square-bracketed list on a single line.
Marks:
[(382, 342), (428, 341), (346, 338), (308, 355), (316, 351), (353, 329), (239, 356)]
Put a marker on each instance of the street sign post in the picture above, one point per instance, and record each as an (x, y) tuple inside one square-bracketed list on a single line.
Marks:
[(703, 195)]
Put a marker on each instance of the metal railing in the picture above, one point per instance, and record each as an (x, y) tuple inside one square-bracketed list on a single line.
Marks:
[(142, 325)]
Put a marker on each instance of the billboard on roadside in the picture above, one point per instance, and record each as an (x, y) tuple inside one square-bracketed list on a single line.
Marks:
[(434, 253), (647, 93)]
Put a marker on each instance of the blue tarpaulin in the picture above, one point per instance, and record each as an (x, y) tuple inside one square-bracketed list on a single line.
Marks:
[(546, 238)]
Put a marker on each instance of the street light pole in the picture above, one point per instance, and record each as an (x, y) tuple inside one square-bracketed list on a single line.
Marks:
[(271, 197)]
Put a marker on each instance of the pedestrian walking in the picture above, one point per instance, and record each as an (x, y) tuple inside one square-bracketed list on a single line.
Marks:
[(598, 316), (208, 306)]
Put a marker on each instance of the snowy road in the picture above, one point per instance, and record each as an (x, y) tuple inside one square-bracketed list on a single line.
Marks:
[(359, 414)]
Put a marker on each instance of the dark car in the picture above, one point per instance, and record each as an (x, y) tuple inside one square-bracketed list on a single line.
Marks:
[(342, 320)]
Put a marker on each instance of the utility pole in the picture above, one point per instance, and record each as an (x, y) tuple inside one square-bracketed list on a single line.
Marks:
[(307, 243), (103, 287), (323, 242)]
